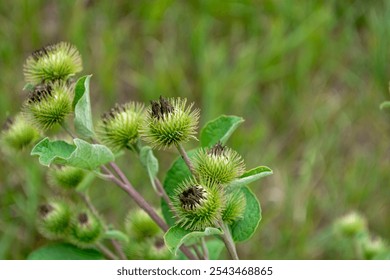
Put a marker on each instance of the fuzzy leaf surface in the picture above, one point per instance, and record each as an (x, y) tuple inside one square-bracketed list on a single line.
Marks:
[(82, 108), (150, 162), (219, 129), (64, 251), (82, 154), (177, 236), (244, 229), (251, 176)]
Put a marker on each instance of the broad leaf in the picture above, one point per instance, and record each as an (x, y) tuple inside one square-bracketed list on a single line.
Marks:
[(82, 154), (82, 108), (219, 129), (64, 251), (150, 162), (246, 227), (177, 236), (175, 176), (251, 176), (215, 247)]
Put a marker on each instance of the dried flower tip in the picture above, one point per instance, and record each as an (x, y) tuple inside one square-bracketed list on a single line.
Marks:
[(192, 197), (51, 63)]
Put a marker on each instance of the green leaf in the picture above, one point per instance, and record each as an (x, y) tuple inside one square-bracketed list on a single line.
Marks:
[(82, 155), (177, 236), (251, 176), (175, 175), (82, 108), (244, 229), (219, 129), (215, 247), (385, 105), (64, 251), (150, 162), (117, 235)]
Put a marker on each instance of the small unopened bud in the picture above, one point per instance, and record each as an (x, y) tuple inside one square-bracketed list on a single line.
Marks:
[(66, 177), (48, 105), (54, 219), (169, 122), (140, 226), (235, 207), (18, 133), (86, 229), (373, 248)]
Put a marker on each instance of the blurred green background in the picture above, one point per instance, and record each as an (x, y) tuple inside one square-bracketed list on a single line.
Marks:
[(307, 76)]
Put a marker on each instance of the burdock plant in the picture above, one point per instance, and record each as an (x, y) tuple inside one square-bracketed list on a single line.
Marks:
[(205, 201)]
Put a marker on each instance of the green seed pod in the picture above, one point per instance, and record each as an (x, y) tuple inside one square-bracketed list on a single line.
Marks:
[(119, 128), (219, 164), (351, 224), (197, 205), (169, 122), (48, 105), (66, 177), (18, 133), (235, 207), (54, 219), (140, 226), (86, 229), (51, 63)]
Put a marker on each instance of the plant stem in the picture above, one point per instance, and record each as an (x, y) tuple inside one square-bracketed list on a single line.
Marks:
[(106, 251), (115, 243), (205, 250), (185, 157), (124, 184), (228, 240)]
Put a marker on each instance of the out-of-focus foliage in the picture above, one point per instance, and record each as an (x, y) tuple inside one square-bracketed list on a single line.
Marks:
[(307, 78)]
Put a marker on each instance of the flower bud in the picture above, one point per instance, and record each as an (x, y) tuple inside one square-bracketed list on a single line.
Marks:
[(169, 122), (54, 219), (66, 177), (235, 207), (140, 226), (48, 105), (197, 205), (119, 128), (373, 247), (351, 224), (51, 63), (219, 164), (18, 134), (86, 229)]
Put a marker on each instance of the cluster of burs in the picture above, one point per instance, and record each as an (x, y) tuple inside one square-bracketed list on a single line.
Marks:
[(201, 201)]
